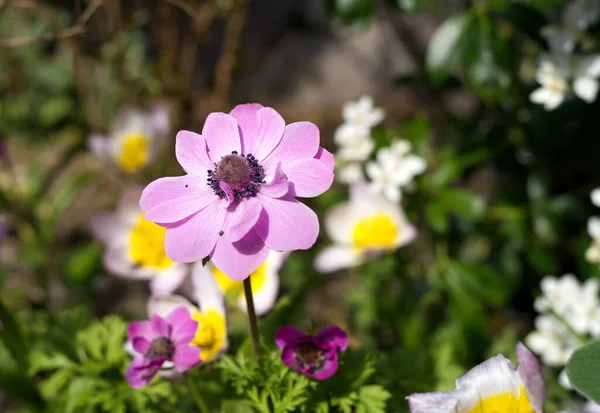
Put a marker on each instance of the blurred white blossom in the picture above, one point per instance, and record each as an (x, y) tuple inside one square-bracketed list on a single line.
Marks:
[(592, 254), (581, 14), (394, 169), (362, 113), (351, 173), (554, 85), (570, 316), (595, 197), (585, 83)]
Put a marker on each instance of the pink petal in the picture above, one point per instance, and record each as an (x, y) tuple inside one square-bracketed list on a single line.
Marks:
[(300, 140), (178, 317), (287, 335), (186, 357), (160, 327), (192, 154), (243, 217), (247, 119), (166, 189), (228, 191), (328, 369), (159, 118), (239, 259), (140, 329), (185, 333), (140, 371), (141, 345), (278, 187), (326, 157), (180, 208), (288, 357), (270, 131), (334, 336), (222, 135), (308, 177), (286, 224), (195, 238), (531, 374)]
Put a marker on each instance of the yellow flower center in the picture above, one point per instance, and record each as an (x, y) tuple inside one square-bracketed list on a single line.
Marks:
[(147, 245), (376, 231), (230, 287), (506, 402), (134, 152), (210, 335)]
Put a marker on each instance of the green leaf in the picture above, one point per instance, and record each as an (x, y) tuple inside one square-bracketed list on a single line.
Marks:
[(67, 192), (21, 388), (464, 203), (79, 391), (10, 335), (582, 370), (82, 263), (448, 46), (351, 11), (372, 399), (54, 110), (437, 217)]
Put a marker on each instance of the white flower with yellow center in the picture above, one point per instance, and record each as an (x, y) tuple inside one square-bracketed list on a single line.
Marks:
[(133, 138), (595, 197), (265, 283), (491, 387), (211, 334), (552, 75), (134, 247), (364, 226)]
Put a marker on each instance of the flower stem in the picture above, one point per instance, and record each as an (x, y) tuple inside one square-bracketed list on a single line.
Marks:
[(252, 317), (197, 398)]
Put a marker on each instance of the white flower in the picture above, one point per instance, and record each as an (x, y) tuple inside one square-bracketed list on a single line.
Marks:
[(351, 173), (595, 197), (362, 113), (581, 13), (264, 280), (347, 133), (364, 226), (553, 78), (133, 139), (585, 83), (134, 247), (592, 254), (392, 171), (493, 386), (551, 341), (357, 151), (558, 294)]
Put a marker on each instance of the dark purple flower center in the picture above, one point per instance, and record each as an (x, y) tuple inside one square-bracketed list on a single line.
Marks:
[(310, 356), (161, 347), (241, 172)]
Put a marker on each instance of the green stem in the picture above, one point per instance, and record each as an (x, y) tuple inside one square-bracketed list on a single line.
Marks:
[(195, 394), (252, 317)]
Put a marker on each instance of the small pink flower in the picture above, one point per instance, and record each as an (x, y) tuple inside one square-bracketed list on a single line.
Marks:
[(161, 340), (315, 357), (238, 199)]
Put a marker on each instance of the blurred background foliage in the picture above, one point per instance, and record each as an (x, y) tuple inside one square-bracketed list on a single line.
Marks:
[(503, 203)]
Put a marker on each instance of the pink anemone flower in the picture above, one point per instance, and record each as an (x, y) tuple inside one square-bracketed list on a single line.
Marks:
[(162, 341), (238, 199), (316, 357)]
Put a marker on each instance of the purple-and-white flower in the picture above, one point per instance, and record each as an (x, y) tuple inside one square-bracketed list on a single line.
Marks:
[(161, 340), (316, 357), (493, 386)]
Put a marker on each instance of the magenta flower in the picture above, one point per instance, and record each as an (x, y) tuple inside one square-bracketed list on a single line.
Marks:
[(315, 357), (159, 341), (238, 199)]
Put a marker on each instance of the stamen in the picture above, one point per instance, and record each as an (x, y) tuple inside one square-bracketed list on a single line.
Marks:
[(241, 172), (310, 356), (161, 347)]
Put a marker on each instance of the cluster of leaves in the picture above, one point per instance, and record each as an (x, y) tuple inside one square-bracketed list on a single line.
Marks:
[(79, 365), (269, 386)]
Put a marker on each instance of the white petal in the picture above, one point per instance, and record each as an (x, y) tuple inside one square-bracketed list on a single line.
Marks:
[(338, 223), (337, 257), (586, 88), (170, 280), (206, 291), (564, 381), (266, 296), (163, 305), (595, 197), (593, 227)]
